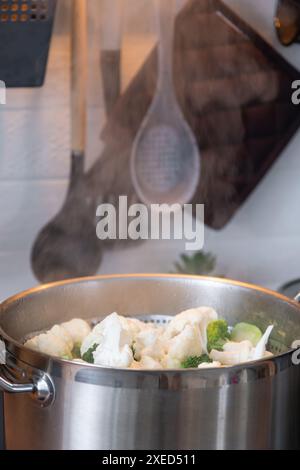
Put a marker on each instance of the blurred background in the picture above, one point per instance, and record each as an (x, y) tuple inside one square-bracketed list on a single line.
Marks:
[(254, 236)]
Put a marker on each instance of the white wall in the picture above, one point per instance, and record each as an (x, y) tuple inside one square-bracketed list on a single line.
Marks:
[(260, 244)]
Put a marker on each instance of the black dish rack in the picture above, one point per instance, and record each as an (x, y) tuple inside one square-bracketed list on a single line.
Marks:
[(25, 34)]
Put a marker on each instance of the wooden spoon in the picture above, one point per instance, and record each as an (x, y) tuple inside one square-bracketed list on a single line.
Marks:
[(110, 56), (68, 246)]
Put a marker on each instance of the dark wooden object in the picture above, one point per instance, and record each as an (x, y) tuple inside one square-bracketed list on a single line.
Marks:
[(235, 92)]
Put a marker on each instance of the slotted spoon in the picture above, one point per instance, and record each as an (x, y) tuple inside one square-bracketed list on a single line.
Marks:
[(165, 160)]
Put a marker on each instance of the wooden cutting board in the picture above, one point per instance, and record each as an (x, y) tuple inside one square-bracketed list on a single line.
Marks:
[(235, 92)]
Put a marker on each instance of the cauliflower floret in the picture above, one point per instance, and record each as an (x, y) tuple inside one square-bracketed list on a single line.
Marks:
[(234, 353), (114, 340), (200, 317), (146, 362), (209, 365), (103, 328), (51, 344), (135, 365), (63, 334), (77, 329), (95, 337), (32, 344), (185, 344), (135, 325), (106, 356), (148, 343)]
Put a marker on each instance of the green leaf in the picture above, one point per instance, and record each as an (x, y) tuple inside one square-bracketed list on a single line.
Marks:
[(193, 362), (88, 355), (199, 263)]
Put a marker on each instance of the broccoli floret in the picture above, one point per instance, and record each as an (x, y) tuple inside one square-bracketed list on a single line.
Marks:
[(76, 351), (217, 335), (193, 362), (88, 355)]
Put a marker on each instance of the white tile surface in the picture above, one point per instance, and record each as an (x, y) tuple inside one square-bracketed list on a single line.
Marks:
[(15, 273), (25, 207), (36, 143), (261, 243)]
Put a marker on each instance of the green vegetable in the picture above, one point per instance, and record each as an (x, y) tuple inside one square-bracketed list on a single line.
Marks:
[(67, 357), (88, 356), (199, 263), (193, 362), (76, 351), (217, 335), (246, 331)]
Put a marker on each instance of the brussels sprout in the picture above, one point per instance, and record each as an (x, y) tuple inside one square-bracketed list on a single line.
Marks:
[(246, 331)]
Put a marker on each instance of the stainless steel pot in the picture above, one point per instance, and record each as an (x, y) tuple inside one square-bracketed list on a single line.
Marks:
[(56, 404)]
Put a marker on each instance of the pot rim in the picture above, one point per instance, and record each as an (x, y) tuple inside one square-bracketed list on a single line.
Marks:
[(264, 365)]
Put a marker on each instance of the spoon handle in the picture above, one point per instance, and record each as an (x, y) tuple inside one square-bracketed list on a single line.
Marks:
[(166, 20), (112, 12), (78, 76)]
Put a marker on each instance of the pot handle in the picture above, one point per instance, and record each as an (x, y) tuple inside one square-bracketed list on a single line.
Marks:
[(10, 387), (39, 384), (40, 387)]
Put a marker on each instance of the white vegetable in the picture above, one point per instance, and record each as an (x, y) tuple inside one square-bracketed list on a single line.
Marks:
[(244, 346), (77, 329), (209, 365), (95, 337), (185, 344), (149, 343), (114, 339), (148, 362), (50, 344), (260, 349), (108, 355), (135, 325), (199, 317), (61, 333), (123, 342), (135, 365), (234, 353), (32, 344)]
